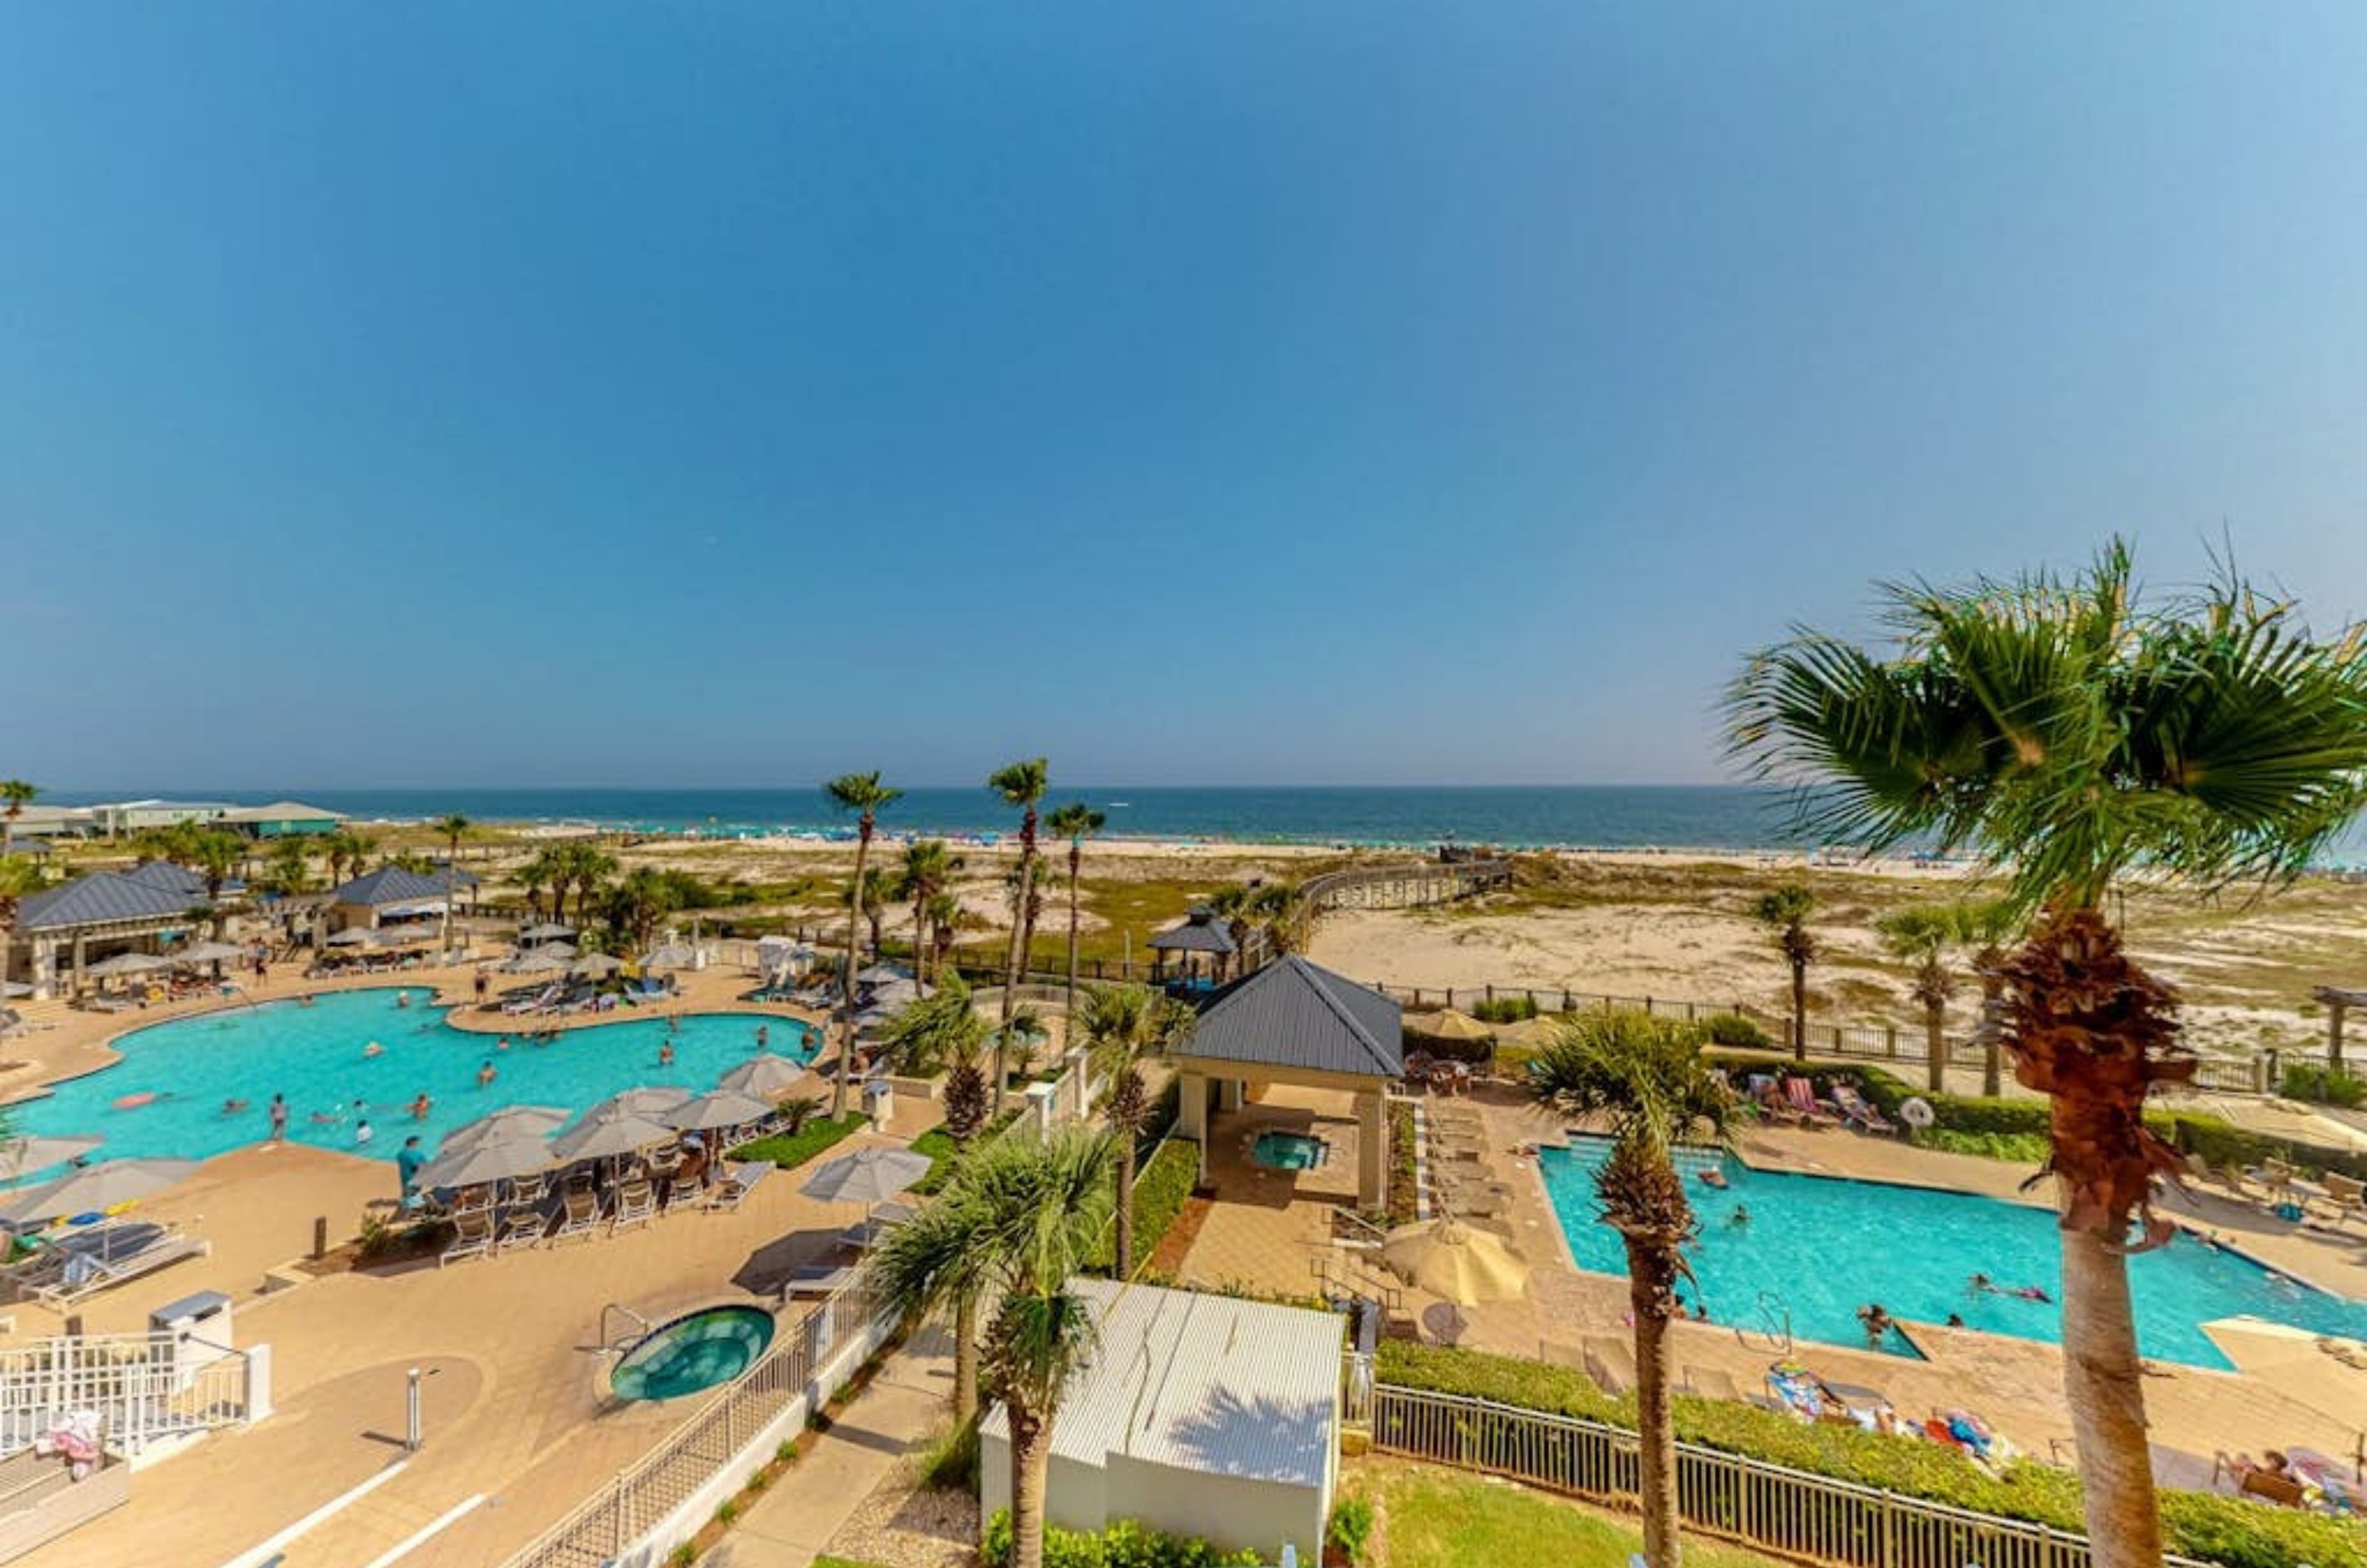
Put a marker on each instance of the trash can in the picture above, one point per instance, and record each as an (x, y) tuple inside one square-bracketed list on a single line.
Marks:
[(197, 1327)]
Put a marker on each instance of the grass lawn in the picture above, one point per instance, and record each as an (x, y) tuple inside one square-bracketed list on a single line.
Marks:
[(1441, 1519), (791, 1149)]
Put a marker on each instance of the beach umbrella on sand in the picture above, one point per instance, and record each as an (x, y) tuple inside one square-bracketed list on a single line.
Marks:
[(490, 1159), (597, 967), (651, 1102), (1449, 1024), (509, 1123), (209, 953), (607, 1133), (22, 1157), (867, 1176), (1531, 1034), (546, 932), (668, 955), (1455, 1261), (719, 1108), (764, 1075), (541, 962), (95, 1190), (128, 964)]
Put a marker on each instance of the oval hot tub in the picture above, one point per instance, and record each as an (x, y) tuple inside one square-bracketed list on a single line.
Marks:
[(692, 1352)]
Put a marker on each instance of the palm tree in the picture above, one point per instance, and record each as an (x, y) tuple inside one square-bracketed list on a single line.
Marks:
[(944, 910), (1120, 1024), (868, 901), (2068, 731), (640, 900), (1235, 905), (19, 794), (291, 866), (1018, 1219), (1647, 1077), (1284, 908), (1785, 911), (929, 866), (1921, 934), (1991, 926), (588, 868), (865, 795), (1075, 822), (451, 828), (540, 870), (1021, 785), (929, 1034)]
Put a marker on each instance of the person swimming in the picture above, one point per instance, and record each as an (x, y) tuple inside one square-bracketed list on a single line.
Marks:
[(1742, 1215), (486, 1075), (421, 1107), (502, 1043), (1875, 1320), (764, 1035), (232, 1107), (402, 999), (665, 1055), (1983, 1285), (1710, 1175), (372, 1051)]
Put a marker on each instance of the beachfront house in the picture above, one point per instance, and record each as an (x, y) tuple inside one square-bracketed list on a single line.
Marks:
[(1200, 1414), (394, 894), (1297, 1023), (280, 819), (61, 931)]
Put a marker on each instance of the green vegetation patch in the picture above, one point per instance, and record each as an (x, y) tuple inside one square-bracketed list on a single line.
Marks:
[(1123, 1545), (1160, 1190), (790, 1150), (1439, 1519)]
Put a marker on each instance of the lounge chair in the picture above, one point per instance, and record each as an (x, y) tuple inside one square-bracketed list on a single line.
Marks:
[(86, 1274), (1611, 1362), (474, 1237), (579, 1215), (865, 1233), (637, 1204), (1862, 1114), (1801, 1095), (819, 1279), (2345, 1199), (1710, 1383), (739, 1180), (520, 1227)]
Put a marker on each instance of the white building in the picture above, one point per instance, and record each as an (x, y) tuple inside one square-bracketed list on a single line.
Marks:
[(1197, 1415)]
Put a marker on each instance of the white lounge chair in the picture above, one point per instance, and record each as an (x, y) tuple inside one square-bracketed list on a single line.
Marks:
[(818, 1280), (637, 1204), (579, 1215), (739, 1181), (86, 1274), (473, 1237), (519, 1227)]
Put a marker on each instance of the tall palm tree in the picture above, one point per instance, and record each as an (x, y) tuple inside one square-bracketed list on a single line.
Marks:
[(17, 794), (291, 866), (588, 867), (1283, 907), (1121, 1024), (1236, 905), (541, 869), (1647, 1077), (930, 1033), (1785, 911), (2068, 729), (928, 869), (451, 828), (867, 899), (639, 900), (864, 794), (1018, 1220), (1921, 934), (1075, 822), (944, 910), (1021, 785)]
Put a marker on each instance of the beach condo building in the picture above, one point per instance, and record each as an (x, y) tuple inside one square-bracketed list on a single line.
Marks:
[(280, 819), (1200, 1414), (120, 817)]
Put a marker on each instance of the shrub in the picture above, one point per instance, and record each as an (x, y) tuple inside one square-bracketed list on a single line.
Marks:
[(1352, 1528), (790, 1149), (2323, 1084), (1405, 1190), (1506, 1009), (1733, 1029), (2022, 1149), (939, 1145), (1122, 1545), (727, 1510), (2199, 1524), (1160, 1190), (951, 1462)]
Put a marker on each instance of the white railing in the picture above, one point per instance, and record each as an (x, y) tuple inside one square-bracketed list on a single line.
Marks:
[(145, 1387), (1788, 1511)]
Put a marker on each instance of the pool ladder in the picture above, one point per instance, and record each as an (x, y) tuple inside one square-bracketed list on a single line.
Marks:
[(618, 1347)]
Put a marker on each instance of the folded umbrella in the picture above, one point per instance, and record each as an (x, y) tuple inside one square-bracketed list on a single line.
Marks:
[(95, 1190)]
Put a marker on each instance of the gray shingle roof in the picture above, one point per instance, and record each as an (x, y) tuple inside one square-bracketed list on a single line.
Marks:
[(394, 884), (166, 877), (95, 900), (1201, 934), (1295, 1014)]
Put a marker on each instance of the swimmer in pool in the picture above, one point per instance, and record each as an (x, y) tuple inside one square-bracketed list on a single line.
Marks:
[(372, 1051), (1742, 1215), (232, 1107), (502, 1043), (485, 1076), (665, 1055), (1710, 1175), (402, 999), (421, 1107)]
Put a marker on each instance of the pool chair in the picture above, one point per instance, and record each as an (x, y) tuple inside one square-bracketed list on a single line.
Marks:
[(86, 1274), (865, 1233), (739, 1180), (1709, 1382), (2345, 1199), (579, 1215), (1862, 1114), (1611, 1362), (520, 1228), (473, 1237), (1801, 1095), (637, 1204), (819, 1279)]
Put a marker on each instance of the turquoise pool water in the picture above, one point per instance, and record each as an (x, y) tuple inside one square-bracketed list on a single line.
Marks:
[(692, 1352), (313, 1055), (1826, 1247), (1286, 1151)]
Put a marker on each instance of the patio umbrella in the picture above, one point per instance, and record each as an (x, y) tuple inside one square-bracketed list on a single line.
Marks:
[(764, 1075), (649, 1101), (1531, 1034), (546, 932), (209, 953), (352, 936), (490, 1159), (1449, 1024), (541, 962), (23, 1155), (509, 1123), (719, 1108), (867, 1176), (597, 967), (609, 1132), (882, 974), (95, 1190), (668, 955), (1455, 1261), (128, 964)]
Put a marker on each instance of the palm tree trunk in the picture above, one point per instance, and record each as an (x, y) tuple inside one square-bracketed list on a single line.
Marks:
[(1075, 860), (1651, 1278), (2102, 1382), (1124, 1252), (920, 938), (1935, 1046), (965, 1360), (451, 856), (1799, 1012), (846, 989), (1031, 1461)]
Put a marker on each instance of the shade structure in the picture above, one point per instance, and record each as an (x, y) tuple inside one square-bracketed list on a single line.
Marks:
[(546, 932), (512, 1122), (764, 1075), (607, 1133), (1449, 1024), (651, 1102), (719, 1108), (128, 964), (23, 1156), (867, 1176), (882, 974), (352, 936), (1531, 1034), (595, 966), (209, 953), (1455, 1261), (668, 955), (542, 961), (490, 1159), (95, 1190)]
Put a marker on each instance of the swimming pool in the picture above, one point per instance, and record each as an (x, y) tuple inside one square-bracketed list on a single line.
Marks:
[(313, 1055), (692, 1352), (1824, 1247)]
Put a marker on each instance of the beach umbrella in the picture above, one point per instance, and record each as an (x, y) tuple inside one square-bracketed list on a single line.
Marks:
[(510, 1122), (764, 1075), (868, 1176), (882, 974), (22, 1155), (1531, 1034), (541, 962), (490, 1159), (128, 964), (1455, 1261), (209, 953), (1449, 1024), (718, 1108), (547, 932), (597, 967), (651, 1102), (607, 1133), (352, 936), (95, 1190), (671, 955)]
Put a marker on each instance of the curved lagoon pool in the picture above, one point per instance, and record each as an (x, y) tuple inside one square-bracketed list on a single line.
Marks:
[(1823, 1247), (692, 1352), (314, 1056)]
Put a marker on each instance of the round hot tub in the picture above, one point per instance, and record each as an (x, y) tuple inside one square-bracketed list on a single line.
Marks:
[(692, 1352)]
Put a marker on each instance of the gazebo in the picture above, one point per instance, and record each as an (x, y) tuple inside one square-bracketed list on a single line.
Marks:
[(63, 930), (1296, 1022), (2338, 1002), (1201, 932), (393, 893)]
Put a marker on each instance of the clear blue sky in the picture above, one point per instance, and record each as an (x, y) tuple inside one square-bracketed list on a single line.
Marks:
[(1342, 392)]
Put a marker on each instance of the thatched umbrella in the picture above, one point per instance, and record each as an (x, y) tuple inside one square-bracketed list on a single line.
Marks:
[(1455, 1261)]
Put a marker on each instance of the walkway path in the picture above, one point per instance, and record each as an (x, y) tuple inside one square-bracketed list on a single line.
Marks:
[(837, 1470)]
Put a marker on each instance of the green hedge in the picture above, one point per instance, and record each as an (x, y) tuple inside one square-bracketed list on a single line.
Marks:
[(2322, 1085), (790, 1149), (1123, 1545), (1160, 1190), (2199, 1524), (939, 1145)]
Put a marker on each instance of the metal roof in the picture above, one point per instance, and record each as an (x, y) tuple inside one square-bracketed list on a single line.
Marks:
[(1295, 1014), (1201, 934), (279, 811), (1201, 1383), (394, 885), (166, 877), (98, 899)]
